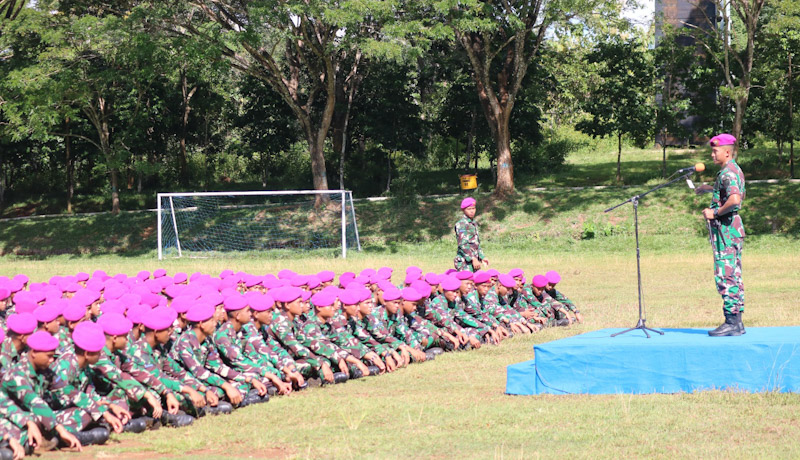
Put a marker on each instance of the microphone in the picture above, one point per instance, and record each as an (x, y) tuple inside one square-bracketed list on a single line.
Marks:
[(699, 167)]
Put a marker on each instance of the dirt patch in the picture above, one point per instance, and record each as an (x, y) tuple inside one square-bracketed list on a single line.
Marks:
[(108, 451)]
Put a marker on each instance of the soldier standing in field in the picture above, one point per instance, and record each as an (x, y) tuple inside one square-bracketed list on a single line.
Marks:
[(469, 255), (727, 233)]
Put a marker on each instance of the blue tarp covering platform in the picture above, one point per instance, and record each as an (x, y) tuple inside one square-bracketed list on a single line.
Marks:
[(681, 360)]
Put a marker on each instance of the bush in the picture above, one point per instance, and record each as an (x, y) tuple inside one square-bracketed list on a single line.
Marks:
[(546, 156)]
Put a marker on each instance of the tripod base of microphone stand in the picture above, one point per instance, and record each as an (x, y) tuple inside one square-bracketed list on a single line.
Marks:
[(639, 325)]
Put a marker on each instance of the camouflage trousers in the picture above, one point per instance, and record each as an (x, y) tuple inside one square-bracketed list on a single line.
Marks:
[(74, 419), (728, 276), (13, 431), (461, 264)]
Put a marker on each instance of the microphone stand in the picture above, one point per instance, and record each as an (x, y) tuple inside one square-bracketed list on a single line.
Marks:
[(635, 200)]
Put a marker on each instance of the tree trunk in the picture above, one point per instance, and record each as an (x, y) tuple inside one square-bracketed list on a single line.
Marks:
[(791, 158), (471, 136), (741, 105), (505, 167), (780, 151), (619, 157), (187, 108), (664, 154), (319, 173), (70, 166), (791, 122)]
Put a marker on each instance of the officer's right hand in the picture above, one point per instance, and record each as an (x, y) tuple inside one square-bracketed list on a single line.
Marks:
[(476, 264), (327, 373)]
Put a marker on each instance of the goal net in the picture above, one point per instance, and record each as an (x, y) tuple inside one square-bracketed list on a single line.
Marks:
[(204, 224)]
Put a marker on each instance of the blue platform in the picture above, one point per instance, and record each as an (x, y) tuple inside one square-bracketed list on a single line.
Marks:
[(681, 360)]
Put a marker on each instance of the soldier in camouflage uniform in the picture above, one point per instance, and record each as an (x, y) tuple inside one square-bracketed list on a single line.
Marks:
[(490, 303), (194, 352), (727, 233), (376, 325), (20, 327), (26, 383), (469, 255), (553, 278)]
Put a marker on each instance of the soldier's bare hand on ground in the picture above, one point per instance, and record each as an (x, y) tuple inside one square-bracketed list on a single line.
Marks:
[(259, 387), (69, 439), (113, 421), (212, 398), (155, 404), (34, 434), (16, 448), (123, 415)]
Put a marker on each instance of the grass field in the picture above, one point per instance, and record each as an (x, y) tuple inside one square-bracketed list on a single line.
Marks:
[(455, 407)]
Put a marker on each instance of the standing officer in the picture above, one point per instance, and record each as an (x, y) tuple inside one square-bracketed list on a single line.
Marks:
[(727, 233), (469, 255)]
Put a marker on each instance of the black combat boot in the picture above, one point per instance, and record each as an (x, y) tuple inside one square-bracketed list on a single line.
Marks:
[(374, 370), (6, 453), (272, 390), (223, 407), (436, 350), (339, 377), (95, 436), (739, 323), (176, 420), (429, 355), (729, 328), (135, 425)]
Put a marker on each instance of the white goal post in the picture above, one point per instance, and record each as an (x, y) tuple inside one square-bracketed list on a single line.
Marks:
[(208, 223)]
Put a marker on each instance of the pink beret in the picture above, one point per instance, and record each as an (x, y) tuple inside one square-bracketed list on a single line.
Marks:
[(99, 274), (422, 287), (313, 282), (42, 341), (305, 295), (350, 297), (392, 294), (411, 295), (4, 293), (89, 336), (2, 334), (367, 272), (81, 276), (112, 306), (213, 298), (385, 271), (323, 299), (200, 312), (15, 285), (23, 278), (326, 276), (159, 273), (182, 304), (539, 281), (481, 277), (492, 272), (95, 284), (143, 275), (385, 285), (366, 294), (115, 324), (516, 272), (411, 277), (225, 273), (25, 307), (260, 302), (235, 302), (130, 299), (46, 313), (299, 280), (159, 318), (507, 281), (552, 277), (138, 313), (74, 312), (433, 279), (354, 285), (722, 139), (22, 323), (286, 274), (467, 202), (287, 294), (450, 283), (464, 275), (175, 290), (179, 277), (346, 277)]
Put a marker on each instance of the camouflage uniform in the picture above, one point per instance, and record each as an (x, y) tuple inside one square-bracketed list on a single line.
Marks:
[(284, 333), (311, 336), (8, 354), (120, 387), (563, 300), (13, 420), (256, 349), (472, 305), (199, 358), (230, 345), (72, 392), (469, 244), (727, 237), (376, 324)]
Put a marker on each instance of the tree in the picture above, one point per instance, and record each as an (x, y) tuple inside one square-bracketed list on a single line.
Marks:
[(502, 39), (622, 102), (731, 45)]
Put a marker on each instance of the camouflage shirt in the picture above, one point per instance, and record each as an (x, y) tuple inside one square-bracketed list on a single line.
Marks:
[(72, 387), (469, 244), (730, 181), (27, 388)]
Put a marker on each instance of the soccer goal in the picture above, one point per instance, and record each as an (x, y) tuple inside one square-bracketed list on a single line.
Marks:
[(205, 224)]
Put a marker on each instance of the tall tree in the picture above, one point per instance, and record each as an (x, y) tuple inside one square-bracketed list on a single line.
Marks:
[(622, 102)]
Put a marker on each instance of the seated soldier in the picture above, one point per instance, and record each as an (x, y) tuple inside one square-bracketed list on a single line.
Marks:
[(543, 304), (471, 304), (397, 326), (193, 350), (20, 327), (376, 324), (350, 300), (438, 311), (553, 278)]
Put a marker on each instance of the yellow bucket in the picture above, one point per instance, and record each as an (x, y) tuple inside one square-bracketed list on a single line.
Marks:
[(469, 181)]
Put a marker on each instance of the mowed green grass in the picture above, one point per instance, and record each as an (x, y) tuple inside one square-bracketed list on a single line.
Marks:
[(455, 406)]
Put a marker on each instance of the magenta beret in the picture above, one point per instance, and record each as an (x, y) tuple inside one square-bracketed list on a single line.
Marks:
[(46, 313), (25, 306), (143, 275), (22, 323), (235, 302), (287, 294), (467, 202), (346, 277), (130, 299), (722, 139), (385, 271), (42, 341), (368, 272), (385, 285), (4, 293), (182, 304), (305, 295), (422, 287), (260, 302), (23, 278), (200, 312), (179, 277), (115, 324), (323, 299), (507, 281), (74, 312), (350, 297), (516, 272), (299, 280), (159, 318), (89, 336), (366, 294), (313, 282), (481, 277), (539, 281), (286, 274), (213, 298), (2, 334), (492, 272), (326, 276), (450, 283), (392, 294), (433, 279), (112, 306), (411, 295), (411, 277), (137, 313), (552, 277), (159, 273), (464, 275)]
